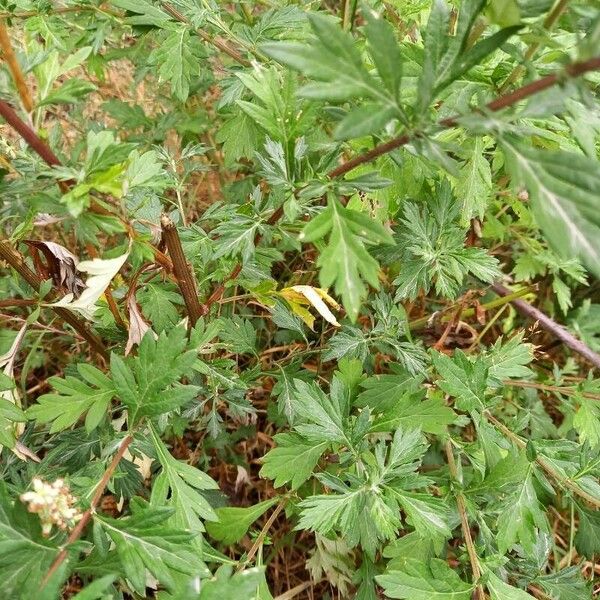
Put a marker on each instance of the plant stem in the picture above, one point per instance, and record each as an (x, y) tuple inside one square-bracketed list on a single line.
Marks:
[(573, 70), (15, 68), (552, 326), (17, 262), (87, 515), (28, 134), (549, 22), (44, 152), (263, 532), (183, 271), (563, 481), (567, 391), (464, 522), (217, 42), (469, 312)]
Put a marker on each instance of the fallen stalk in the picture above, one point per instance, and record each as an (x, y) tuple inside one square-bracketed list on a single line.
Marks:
[(558, 331)]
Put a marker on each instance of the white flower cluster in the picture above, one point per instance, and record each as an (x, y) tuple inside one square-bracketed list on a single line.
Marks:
[(54, 504)]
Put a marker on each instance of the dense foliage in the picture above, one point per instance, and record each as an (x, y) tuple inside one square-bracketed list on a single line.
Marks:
[(298, 299)]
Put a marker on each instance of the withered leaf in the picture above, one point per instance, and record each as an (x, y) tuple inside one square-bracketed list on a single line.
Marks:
[(60, 265), (137, 325)]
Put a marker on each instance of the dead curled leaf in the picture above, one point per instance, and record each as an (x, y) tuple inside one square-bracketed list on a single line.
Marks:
[(137, 325), (60, 265), (100, 273)]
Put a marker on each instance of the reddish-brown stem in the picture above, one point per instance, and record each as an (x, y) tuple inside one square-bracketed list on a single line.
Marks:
[(44, 151), (87, 515), (17, 262), (574, 70), (15, 68), (183, 271), (551, 326), (28, 134)]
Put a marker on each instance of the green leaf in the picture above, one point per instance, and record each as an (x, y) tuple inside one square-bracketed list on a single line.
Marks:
[(70, 92), (149, 15), (95, 590), (179, 485), (147, 383), (226, 584), (587, 539), (522, 518), (176, 62), (332, 59), (292, 460), (322, 417), (345, 261), (474, 184), (427, 514), (587, 421), (74, 397), (499, 590), (504, 12), (567, 584), (509, 359), (563, 188), (431, 247), (143, 542), (240, 335), (235, 521), (159, 306), (466, 381), (385, 51), (419, 581), (430, 415), (363, 120)]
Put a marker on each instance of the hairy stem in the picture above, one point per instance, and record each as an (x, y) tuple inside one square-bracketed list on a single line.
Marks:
[(87, 515), (14, 67), (504, 101)]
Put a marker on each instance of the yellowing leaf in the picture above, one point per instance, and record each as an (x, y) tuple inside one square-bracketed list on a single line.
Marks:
[(299, 296)]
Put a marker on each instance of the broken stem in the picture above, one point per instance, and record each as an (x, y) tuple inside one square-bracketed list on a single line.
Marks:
[(182, 270)]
